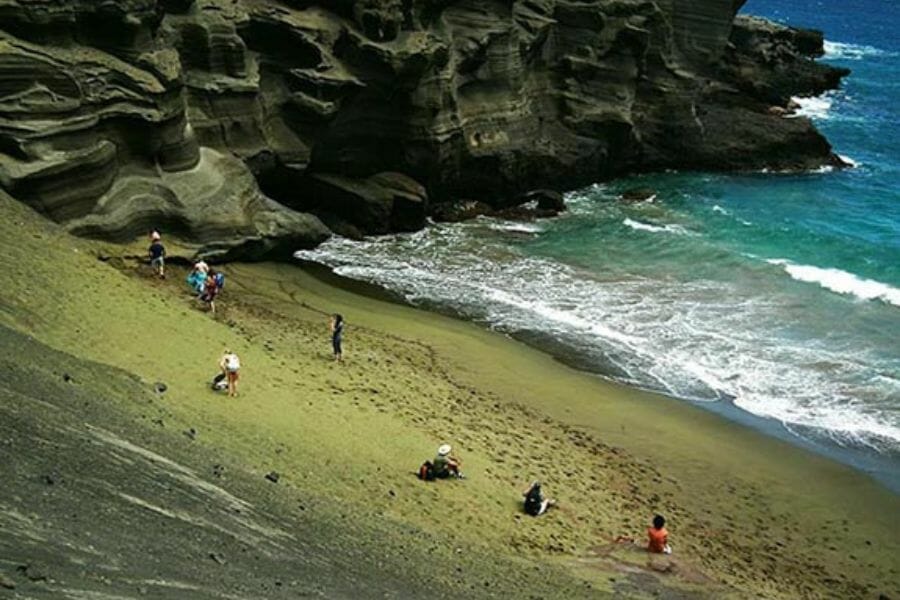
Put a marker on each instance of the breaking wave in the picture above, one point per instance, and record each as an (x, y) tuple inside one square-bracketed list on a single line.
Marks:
[(670, 228), (846, 51), (815, 107), (699, 339), (841, 282)]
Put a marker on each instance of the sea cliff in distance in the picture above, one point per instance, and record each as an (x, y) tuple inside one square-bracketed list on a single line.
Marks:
[(370, 116)]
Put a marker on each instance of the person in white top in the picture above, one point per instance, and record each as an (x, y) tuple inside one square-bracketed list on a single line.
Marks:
[(230, 365)]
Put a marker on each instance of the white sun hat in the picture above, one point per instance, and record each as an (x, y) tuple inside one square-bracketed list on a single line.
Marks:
[(444, 450)]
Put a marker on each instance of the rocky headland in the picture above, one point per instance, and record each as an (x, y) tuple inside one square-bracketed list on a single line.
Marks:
[(251, 128)]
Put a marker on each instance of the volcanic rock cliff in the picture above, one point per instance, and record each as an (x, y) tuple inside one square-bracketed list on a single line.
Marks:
[(232, 122)]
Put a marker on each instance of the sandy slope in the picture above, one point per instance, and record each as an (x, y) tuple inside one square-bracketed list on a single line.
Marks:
[(749, 516)]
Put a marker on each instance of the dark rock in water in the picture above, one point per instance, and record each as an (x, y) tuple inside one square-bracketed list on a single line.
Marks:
[(525, 212), (273, 476), (207, 120), (160, 387), (637, 195), (67, 378), (218, 557), (378, 204), (461, 210), (532, 205), (550, 201), (191, 433)]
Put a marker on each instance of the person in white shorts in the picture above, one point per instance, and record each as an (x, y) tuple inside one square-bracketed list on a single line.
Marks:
[(231, 365)]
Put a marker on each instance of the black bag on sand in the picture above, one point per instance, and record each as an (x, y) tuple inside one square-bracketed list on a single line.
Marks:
[(426, 471), (218, 383)]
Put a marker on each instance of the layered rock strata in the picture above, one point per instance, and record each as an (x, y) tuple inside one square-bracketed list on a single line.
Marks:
[(115, 116)]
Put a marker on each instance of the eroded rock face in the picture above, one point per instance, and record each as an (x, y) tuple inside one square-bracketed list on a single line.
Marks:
[(101, 101)]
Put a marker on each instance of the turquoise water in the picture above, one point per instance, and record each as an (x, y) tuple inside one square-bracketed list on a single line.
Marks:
[(777, 296)]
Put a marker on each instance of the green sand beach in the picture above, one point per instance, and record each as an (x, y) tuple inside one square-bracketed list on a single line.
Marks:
[(749, 516)]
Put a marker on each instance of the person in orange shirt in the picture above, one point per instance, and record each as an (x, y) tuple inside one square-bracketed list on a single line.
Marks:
[(659, 537)]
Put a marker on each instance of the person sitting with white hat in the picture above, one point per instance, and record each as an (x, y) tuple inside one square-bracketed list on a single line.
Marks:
[(445, 465)]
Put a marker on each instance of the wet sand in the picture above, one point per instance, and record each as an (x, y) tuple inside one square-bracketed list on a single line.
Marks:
[(749, 516)]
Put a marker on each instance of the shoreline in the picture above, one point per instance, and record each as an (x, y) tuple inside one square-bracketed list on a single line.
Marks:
[(770, 494), (749, 515), (878, 466)]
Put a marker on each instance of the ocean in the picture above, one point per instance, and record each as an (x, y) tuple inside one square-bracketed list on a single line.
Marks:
[(773, 299)]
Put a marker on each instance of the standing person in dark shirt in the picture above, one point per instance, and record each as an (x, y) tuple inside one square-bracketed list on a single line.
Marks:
[(158, 258), (337, 330)]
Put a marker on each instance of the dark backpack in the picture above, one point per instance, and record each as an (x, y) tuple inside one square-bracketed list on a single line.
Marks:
[(426, 471), (220, 280), (218, 382)]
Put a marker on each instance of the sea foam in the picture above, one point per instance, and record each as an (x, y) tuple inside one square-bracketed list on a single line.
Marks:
[(670, 228), (845, 51), (816, 107), (697, 338), (514, 227), (853, 164), (841, 282)]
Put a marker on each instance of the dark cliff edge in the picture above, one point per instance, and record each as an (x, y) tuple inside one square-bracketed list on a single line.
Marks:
[(255, 127)]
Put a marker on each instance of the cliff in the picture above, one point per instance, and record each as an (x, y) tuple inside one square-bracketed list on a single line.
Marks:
[(230, 123)]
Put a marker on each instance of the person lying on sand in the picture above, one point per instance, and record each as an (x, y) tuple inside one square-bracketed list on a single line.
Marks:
[(230, 364), (535, 503), (659, 537), (445, 465)]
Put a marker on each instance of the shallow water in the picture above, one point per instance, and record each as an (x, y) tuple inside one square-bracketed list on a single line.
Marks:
[(779, 294)]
